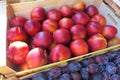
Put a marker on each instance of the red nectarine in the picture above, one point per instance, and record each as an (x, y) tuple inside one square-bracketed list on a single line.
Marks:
[(79, 47), (91, 10), (54, 14), (78, 32), (43, 39), (78, 7), (36, 57), (66, 23), (65, 11), (62, 36), (18, 21), (32, 27), (99, 18), (97, 42), (81, 18), (93, 28), (109, 31), (17, 52), (38, 14), (16, 34), (49, 25), (59, 53)]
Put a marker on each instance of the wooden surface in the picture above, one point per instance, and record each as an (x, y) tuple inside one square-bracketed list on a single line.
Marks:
[(17, 1), (13, 1)]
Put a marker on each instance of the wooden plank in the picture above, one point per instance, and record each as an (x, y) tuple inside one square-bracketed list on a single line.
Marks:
[(13, 1), (48, 3)]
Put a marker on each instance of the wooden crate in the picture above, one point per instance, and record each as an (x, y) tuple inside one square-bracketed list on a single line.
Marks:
[(24, 9)]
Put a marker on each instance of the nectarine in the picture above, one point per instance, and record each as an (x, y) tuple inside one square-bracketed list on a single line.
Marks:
[(97, 42), (78, 31), (109, 31), (16, 34), (38, 14), (32, 27), (80, 18), (49, 25), (93, 28), (99, 18), (91, 10), (78, 7), (65, 11), (17, 52), (79, 47), (43, 39), (59, 53), (36, 57), (62, 36), (54, 14), (66, 23), (18, 21)]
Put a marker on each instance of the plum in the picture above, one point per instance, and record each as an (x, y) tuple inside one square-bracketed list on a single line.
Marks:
[(84, 74), (65, 76), (93, 68), (106, 75), (87, 61), (39, 76), (55, 72), (111, 68), (76, 76), (74, 66)]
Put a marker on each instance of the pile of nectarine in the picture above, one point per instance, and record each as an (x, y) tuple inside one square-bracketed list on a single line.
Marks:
[(57, 34)]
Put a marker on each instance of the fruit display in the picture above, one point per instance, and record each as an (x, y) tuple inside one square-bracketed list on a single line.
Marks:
[(100, 67), (57, 34)]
